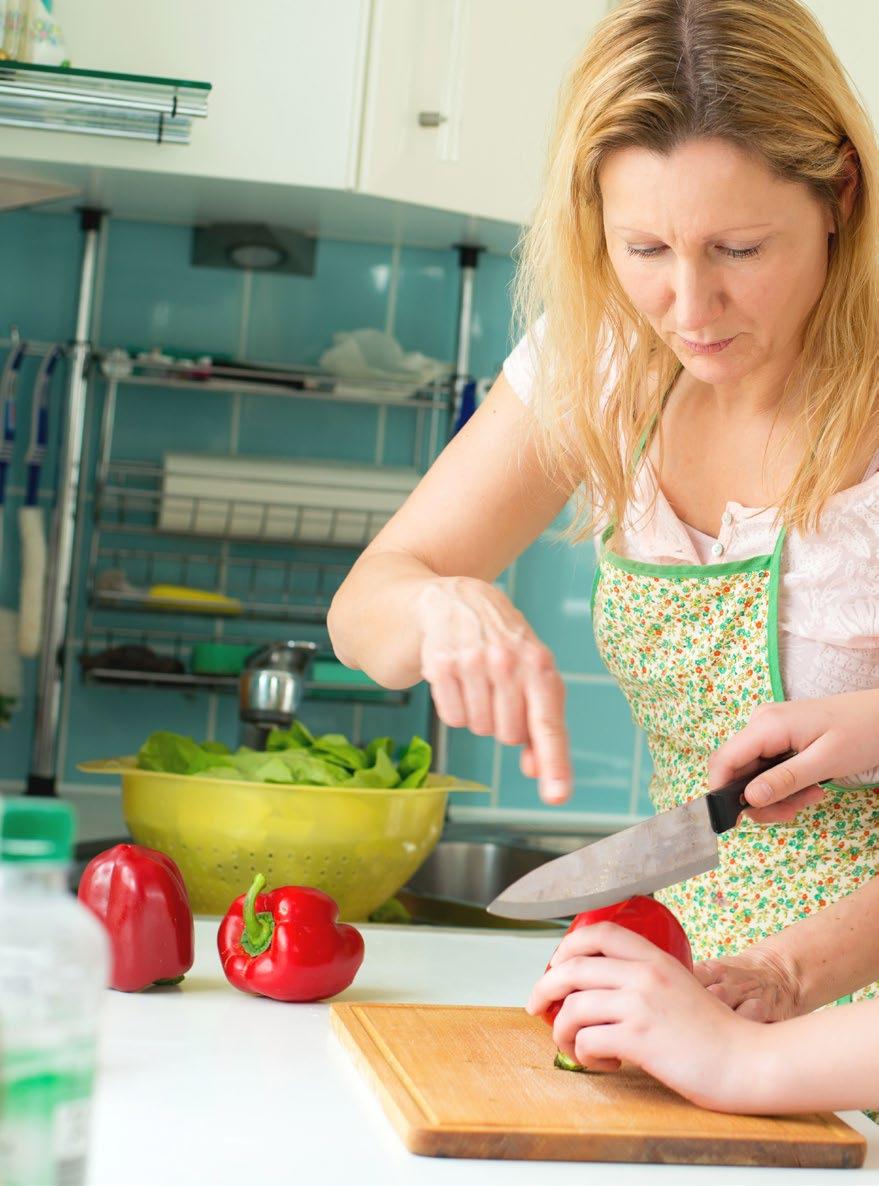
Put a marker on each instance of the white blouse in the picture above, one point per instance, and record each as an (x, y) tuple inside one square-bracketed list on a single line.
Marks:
[(828, 610)]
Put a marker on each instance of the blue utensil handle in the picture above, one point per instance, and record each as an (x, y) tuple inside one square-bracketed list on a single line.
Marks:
[(466, 406), (36, 454), (32, 493), (8, 441), (727, 803)]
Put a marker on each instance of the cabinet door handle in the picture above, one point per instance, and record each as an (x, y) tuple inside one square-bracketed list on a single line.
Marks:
[(431, 119)]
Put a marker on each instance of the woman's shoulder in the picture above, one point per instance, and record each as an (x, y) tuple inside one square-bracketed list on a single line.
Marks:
[(520, 365)]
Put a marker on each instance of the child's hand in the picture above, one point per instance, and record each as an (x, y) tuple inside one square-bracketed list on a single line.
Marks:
[(626, 999)]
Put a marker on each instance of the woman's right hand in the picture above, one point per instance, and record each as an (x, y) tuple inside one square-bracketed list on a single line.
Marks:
[(488, 672), (833, 737)]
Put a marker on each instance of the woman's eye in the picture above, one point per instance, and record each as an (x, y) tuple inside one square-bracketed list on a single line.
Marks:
[(643, 252), (741, 252)]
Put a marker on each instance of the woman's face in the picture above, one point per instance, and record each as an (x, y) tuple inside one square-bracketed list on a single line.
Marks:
[(723, 258)]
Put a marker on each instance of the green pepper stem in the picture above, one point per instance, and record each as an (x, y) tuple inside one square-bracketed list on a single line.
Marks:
[(257, 927)]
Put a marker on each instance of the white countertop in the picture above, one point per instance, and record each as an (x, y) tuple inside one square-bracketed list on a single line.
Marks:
[(203, 1085)]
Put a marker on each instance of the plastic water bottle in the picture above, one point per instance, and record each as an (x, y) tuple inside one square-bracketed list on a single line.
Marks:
[(54, 965)]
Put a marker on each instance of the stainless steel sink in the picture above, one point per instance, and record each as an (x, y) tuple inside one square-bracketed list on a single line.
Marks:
[(460, 878)]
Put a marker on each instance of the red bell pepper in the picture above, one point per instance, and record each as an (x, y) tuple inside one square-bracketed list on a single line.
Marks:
[(140, 897), (288, 944), (644, 916)]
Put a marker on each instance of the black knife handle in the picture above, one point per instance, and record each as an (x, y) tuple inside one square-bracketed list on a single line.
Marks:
[(727, 803)]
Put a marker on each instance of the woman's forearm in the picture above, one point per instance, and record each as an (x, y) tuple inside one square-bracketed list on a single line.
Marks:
[(828, 1061), (826, 954), (371, 622)]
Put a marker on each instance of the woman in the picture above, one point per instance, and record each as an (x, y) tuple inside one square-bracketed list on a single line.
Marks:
[(703, 370)]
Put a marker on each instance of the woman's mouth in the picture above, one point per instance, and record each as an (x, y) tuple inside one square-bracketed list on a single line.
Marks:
[(706, 347)]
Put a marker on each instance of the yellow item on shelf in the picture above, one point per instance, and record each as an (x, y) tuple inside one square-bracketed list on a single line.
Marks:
[(199, 600), (358, 844)]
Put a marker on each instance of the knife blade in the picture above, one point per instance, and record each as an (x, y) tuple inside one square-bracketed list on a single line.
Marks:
[(664, 850)]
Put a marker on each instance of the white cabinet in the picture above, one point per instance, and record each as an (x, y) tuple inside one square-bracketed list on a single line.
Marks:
[(460, 97), (444, 104), (287, 79)]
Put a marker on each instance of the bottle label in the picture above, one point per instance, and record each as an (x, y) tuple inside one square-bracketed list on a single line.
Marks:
[(44, 1112)]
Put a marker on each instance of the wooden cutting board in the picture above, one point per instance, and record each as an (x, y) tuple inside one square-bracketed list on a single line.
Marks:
[(473, 1081)]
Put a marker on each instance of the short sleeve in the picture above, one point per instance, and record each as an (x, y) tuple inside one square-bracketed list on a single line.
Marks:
[(521, 363)]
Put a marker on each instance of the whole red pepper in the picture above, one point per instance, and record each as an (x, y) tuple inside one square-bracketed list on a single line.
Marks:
[(644, 916), (140, 897), (288, 944)]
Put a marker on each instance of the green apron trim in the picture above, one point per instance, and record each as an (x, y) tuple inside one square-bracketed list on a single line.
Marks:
[(772, 617), (682, 571), (596, 577), (687, 571)]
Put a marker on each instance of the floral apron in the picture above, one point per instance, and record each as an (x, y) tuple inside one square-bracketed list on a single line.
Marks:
[(695, 650)]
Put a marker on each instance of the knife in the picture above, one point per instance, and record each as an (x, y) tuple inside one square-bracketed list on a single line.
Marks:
[(670, 847)]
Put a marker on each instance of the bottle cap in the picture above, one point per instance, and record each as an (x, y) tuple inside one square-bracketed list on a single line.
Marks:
[(33, 829)]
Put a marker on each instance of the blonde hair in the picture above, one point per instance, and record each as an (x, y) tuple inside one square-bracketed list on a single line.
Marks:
[(759, 74)]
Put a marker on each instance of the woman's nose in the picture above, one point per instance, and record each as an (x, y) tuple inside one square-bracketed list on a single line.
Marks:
[(697, 299)]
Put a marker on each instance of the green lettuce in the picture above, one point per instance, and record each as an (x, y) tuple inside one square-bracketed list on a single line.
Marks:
[(292, 756)]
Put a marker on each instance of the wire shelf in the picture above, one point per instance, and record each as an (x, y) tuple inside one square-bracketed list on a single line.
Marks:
[(145, 498), (213, 584), (207, 374), (175, 647), (228, 684)]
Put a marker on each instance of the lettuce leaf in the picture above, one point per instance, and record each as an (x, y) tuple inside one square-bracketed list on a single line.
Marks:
[(172, 753), (339, 749), (297, 736), (414, 763), (382, 773)]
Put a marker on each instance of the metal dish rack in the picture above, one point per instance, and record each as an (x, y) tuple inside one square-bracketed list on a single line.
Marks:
[(280, 571)]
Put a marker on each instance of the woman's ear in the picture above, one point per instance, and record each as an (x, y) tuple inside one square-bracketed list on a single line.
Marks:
[(847, 188)]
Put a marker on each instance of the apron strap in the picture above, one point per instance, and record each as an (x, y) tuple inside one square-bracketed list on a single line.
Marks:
[(772, 624)]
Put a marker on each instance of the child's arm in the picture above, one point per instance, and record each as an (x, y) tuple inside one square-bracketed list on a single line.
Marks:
[(828, 1061), (640, 1005)]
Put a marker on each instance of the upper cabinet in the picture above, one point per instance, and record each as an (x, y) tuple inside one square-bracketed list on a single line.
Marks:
[(287, 84), (460, 97), (434, 103)]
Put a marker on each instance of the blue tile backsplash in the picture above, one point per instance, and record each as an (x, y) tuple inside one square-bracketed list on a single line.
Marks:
[(293, 318), (150, 295), (564, 620)]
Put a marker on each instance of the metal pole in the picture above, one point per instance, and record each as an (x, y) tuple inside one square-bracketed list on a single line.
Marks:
[(42, 778), (468, 258)]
